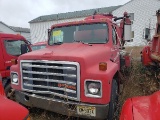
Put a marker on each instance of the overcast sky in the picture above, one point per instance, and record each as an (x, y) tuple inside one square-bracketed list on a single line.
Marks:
[(19, 12)]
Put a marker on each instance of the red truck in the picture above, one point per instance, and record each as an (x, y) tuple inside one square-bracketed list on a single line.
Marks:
[(10, 50), (77, 73), (10, 110), (38, 45), (146, 107), (151, 52)]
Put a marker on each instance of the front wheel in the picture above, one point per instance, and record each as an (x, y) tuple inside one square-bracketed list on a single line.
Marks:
[(113, 100), (10, 92)]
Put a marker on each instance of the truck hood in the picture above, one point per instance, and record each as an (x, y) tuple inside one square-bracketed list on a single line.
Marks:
[(76, 52), (142, 108)]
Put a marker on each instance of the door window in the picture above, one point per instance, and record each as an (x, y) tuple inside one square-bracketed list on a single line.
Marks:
[(13, 47), (114, 36)]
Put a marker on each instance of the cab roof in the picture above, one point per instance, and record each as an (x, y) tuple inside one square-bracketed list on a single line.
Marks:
[(15, 36)]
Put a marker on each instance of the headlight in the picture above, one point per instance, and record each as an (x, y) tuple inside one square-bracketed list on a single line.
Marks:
[(14, 78), (93, 89)]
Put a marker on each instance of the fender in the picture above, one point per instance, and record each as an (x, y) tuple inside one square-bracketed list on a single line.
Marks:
[(8, 107), (106, 78), (127, 110), (112, 69), (10, 110), (142, 108)]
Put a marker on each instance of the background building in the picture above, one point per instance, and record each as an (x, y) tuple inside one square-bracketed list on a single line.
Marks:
[(4, 28), (142, 13)]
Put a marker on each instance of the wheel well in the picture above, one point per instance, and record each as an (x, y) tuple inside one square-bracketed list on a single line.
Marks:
[(5, 81), (116, 77)]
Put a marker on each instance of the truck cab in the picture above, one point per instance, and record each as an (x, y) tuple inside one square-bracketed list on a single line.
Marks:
[(10, 50), (77, 73)]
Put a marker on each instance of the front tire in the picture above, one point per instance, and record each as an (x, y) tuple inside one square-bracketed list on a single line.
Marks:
[(9, 91), (113, 100)]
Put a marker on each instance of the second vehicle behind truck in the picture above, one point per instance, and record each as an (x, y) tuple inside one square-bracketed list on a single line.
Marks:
[(10, 50)]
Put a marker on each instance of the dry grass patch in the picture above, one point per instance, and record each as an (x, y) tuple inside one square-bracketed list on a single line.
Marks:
[(136, 50), (138, 83)]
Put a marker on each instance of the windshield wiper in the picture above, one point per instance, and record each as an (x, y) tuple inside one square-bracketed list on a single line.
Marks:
[(82, 42), (58, 43)]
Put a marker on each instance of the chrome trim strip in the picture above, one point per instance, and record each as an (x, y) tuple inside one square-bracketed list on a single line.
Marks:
[(48, 92), (53, 88), (48, 73), (53, 67), (50, 80), (60, 62)]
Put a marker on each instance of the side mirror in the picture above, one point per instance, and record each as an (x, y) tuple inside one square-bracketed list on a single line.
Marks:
[(49, 32), (128, 35), (24, 48)]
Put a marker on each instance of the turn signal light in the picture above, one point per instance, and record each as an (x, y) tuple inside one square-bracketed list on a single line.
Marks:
[(102, 66), (28, 118), (13, 61)]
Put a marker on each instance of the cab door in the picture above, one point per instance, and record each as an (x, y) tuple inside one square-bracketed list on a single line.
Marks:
[(115, 46), (7, 55), (2, 61)]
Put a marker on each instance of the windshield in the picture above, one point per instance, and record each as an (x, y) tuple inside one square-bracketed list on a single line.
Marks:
[(37, 47), (13, 47), (86, 33)]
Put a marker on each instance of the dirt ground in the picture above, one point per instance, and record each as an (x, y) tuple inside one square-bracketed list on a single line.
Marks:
[(138, 82)]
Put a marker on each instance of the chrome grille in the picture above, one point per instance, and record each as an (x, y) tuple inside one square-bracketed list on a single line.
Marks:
[(54, 79)]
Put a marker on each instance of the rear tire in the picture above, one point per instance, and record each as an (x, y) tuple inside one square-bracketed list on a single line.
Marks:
[(113, 100)]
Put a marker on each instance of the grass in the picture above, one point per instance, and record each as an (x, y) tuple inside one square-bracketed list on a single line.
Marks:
[(135, 51)]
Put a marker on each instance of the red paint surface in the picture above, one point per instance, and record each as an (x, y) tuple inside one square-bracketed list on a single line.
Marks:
[(152, 49), (146, 56), (10, 110), (5, 58), (142, 108), (126, 112), (89, 64)]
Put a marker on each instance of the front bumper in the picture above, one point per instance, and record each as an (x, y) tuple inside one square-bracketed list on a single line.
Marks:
[(66, 108)]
